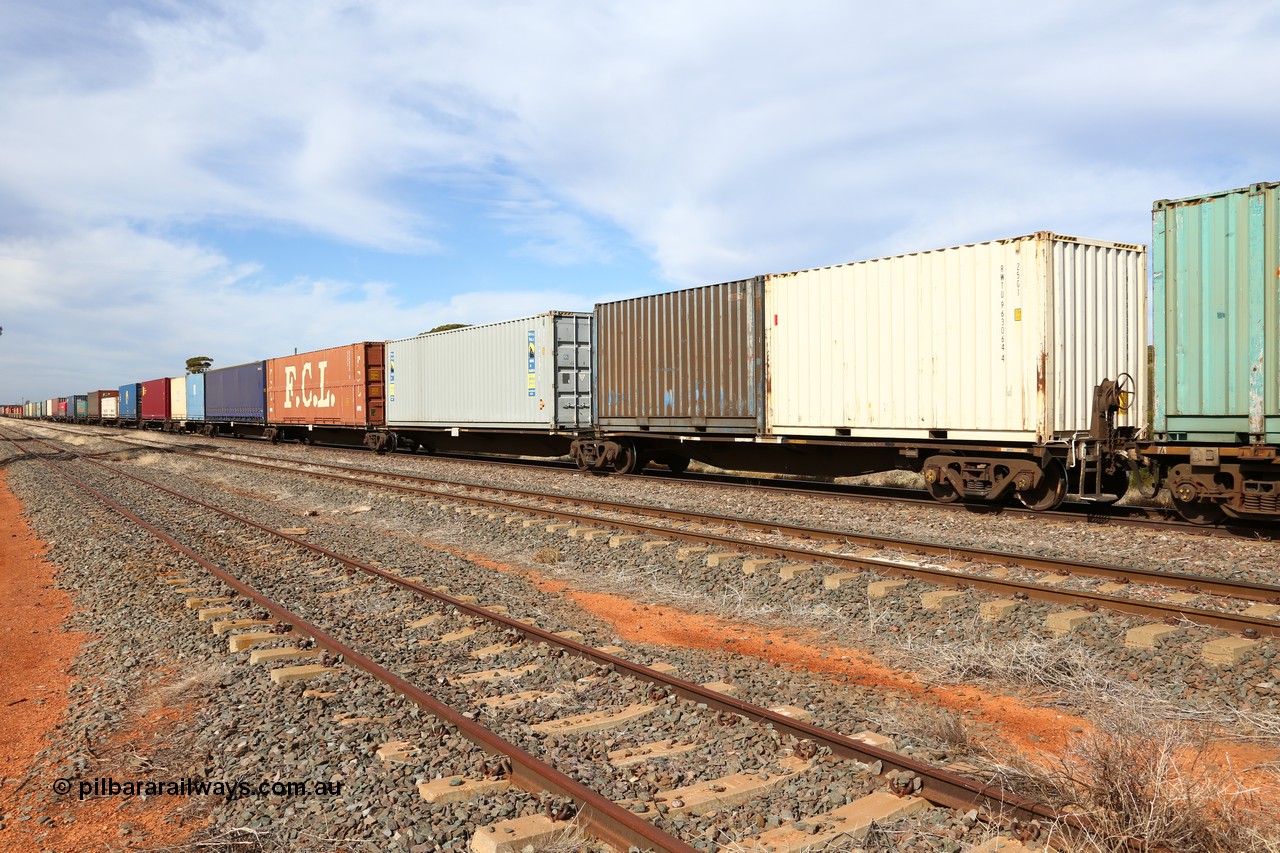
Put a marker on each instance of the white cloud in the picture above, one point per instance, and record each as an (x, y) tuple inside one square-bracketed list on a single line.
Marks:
[(722, 138), (135, 307)]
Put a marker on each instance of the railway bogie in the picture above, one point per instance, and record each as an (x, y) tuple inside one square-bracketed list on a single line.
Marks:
[(1208, 483)]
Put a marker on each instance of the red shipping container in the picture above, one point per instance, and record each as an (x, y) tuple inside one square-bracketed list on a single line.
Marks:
[(340, 386), (155, 400)]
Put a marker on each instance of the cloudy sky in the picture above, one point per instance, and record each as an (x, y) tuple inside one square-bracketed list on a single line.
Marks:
[(237, 179)]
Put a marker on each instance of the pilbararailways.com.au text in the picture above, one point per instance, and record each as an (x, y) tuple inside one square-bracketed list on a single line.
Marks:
[(195, 787)]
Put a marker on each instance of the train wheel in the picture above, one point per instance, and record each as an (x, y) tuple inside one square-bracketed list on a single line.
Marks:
[(1199, 512), (626, 460), (943, 492), (1117, 482), (1050, 491)]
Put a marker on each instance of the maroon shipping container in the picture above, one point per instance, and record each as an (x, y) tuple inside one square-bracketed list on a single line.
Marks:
[(155, 400)]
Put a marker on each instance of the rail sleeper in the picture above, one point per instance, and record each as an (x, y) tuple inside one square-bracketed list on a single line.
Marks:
[(658, 749), (273, 655), (596, 720), (1148, 636), (702, 797), (457, 789), (849, 821), (531, 831)]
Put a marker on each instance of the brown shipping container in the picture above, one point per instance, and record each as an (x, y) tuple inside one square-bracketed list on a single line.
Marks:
[(688, 361), (340, 386)]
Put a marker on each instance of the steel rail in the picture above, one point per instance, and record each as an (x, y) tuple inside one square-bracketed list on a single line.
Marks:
[(602, 817), (939, 786), (1232, 622), (1152, 518), (1248, 590)]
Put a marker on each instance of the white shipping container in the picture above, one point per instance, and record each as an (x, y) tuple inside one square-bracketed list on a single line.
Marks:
[(178, 398), (996, 342), (533, 373), (110, 407)]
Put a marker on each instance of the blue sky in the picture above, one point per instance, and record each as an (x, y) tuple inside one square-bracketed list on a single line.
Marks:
[(240, 179)]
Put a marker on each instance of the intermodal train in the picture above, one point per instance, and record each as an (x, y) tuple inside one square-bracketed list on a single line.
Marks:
[(1034, 367)]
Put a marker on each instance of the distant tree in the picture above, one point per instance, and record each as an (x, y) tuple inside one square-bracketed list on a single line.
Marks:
[(446, 327), (198, 364)]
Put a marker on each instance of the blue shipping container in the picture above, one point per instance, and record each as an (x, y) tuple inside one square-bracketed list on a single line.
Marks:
[(195, 396), (236, 394), (129, 396), (80, 410)]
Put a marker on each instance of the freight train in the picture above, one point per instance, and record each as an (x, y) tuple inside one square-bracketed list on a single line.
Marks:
[(1012, 368)]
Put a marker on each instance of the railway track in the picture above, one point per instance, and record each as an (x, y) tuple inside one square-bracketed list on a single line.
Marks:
[(1246, 608), (895, 783), (1140, 517)]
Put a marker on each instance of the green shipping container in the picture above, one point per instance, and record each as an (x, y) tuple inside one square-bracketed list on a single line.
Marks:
[(1216, 306)]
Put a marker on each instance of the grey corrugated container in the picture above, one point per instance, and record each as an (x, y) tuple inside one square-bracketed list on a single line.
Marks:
[(1216, 293), (533, 373), (687, 361)]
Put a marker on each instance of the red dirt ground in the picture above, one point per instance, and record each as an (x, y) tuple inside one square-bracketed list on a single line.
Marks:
[(36, 653)]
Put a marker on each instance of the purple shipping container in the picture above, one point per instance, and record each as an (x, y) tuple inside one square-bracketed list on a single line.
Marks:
[(236, 394)]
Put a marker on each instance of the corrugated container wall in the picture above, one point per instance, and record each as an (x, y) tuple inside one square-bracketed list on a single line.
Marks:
[(339, 386), (154, 400), (79, 405), (1216, 294), (998, 341), (129, 395), (178, 398), (236, 394), (95, 404), (533, 373), (688, 360), (62, 407), (110, 405), (195, 396)]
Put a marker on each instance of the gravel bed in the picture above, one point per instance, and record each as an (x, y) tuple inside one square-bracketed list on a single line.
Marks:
[(1174, 674), (1144, 592), (241, 728), (1239, 559), (56, 518), (1173, 677)]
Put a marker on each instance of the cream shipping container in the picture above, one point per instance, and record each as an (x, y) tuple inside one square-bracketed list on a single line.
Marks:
[(1002, 341)]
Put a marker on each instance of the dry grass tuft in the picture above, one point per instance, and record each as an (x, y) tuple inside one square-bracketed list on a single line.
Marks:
[(570, 840), (1052, 664), (1082, 678), (937, 725), (185, 688), (1135, 779), (547, 556)]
